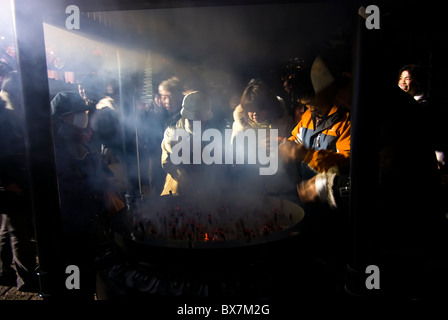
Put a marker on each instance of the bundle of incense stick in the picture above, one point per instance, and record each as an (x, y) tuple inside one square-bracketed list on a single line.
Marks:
[(193, 221)]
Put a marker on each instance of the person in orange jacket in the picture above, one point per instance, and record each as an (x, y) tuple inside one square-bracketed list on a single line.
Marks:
[(321, 140)]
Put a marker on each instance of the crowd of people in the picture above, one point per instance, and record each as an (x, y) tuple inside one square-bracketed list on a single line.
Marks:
[(312, 119)]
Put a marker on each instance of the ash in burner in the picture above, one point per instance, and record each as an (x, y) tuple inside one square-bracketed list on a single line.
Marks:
[(192, 221)]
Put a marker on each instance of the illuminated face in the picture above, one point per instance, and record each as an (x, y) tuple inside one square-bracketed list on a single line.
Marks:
[(320, 104), (170, 101), (86, 95), (406, 83), (308, 103), (82, 92), (257, 116)]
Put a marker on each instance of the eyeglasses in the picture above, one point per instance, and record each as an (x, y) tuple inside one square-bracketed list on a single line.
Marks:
[(165, 97)]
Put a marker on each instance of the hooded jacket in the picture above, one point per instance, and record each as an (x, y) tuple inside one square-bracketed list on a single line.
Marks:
[(329, 143), (187, 177), (283, 124)]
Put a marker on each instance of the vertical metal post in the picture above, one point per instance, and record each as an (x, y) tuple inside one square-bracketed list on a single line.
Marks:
[(364, 158), (30, 43)]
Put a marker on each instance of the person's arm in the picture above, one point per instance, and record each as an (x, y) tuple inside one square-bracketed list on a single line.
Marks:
[(323, 160), (319, 188)]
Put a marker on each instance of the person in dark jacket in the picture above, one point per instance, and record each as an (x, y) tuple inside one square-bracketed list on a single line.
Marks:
[(151, 124), (15, 208), (413, 80), (405, 231), (84, 180)]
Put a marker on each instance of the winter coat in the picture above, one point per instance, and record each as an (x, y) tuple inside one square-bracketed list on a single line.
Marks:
[(184, 177), (82, 180), (283, 181), (329, 143)]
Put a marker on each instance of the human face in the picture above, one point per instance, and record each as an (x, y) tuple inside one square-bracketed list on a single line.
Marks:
[(406, 83), (86, 95), (82, 92), (257, 116), (170, 101), (307, 103), (78, 119), (318, 105)]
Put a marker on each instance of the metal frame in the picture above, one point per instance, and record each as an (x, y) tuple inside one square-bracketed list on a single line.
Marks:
[(28, 24)]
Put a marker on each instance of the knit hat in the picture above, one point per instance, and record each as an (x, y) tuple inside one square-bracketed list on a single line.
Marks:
[(67, 102), (196, 106)]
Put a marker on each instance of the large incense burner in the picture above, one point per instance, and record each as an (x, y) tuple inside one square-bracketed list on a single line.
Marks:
[(206, 222), (197, 246)]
